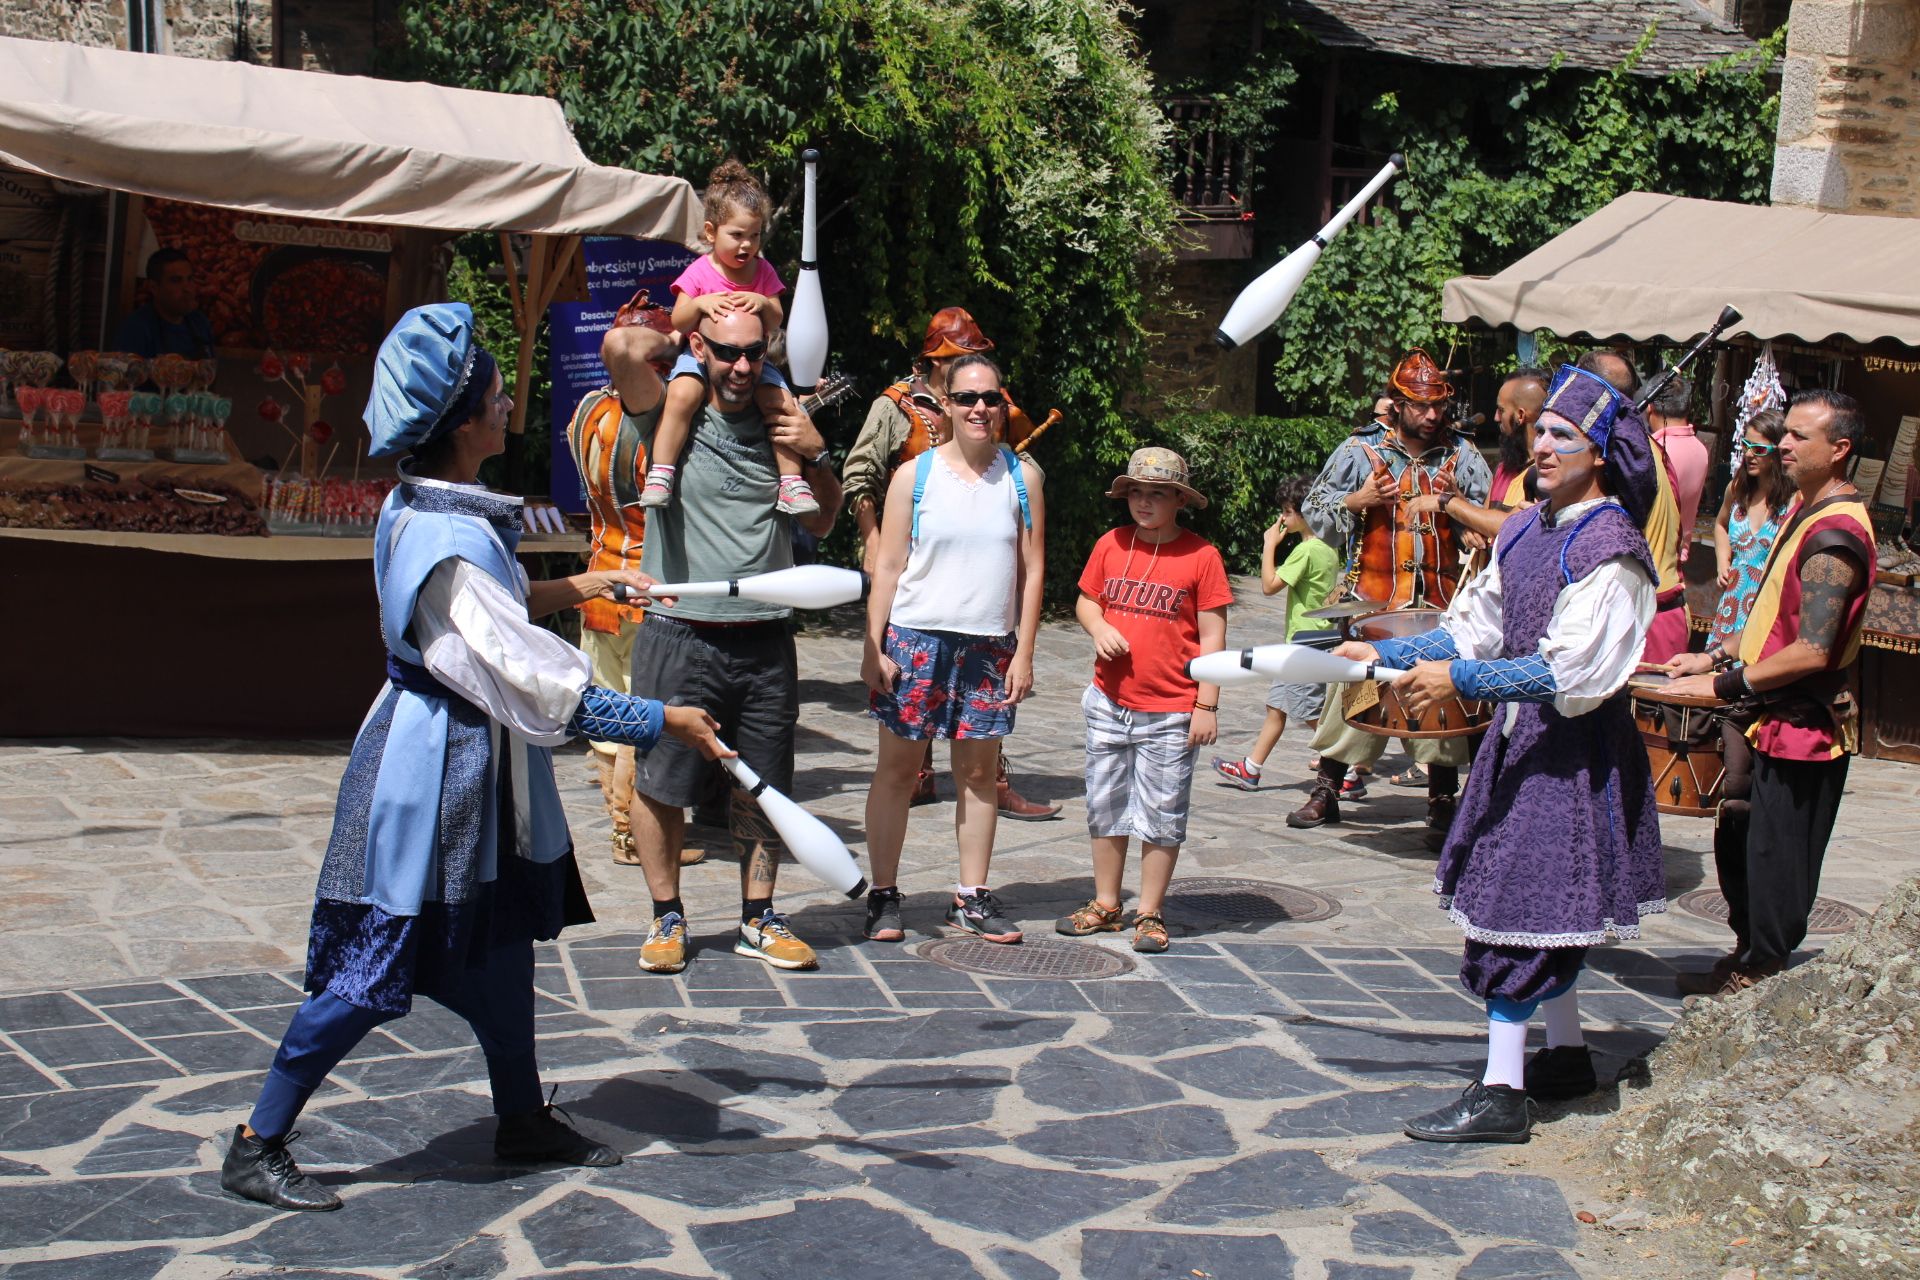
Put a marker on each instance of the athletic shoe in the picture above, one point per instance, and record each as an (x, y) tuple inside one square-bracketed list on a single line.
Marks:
[(1484, 1113), (883, 915), (1353, 786), (262, 1170), (796, 497), (1092, 918), (1558, 1074), (1149, 934), (665, 950), (658, 491), (771, 939), (980, 913), (1237, 772)]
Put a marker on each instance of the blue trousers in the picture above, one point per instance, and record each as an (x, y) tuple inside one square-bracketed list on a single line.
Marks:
[(496, 1001)]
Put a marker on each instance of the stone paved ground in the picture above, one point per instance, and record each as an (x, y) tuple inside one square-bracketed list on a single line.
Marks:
[(1228, 1110)]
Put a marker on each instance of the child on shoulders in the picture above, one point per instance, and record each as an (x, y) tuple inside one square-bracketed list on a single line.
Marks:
[(732, 277), (1153, 596)]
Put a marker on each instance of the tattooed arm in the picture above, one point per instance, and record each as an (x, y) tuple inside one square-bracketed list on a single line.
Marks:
[(1829, 581)]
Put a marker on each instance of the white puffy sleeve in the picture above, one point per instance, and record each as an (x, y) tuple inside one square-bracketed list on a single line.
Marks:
[(1597, 633), (476, 638), (1473, 617)]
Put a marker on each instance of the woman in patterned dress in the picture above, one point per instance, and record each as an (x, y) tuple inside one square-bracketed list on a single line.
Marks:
[(1748, 523)]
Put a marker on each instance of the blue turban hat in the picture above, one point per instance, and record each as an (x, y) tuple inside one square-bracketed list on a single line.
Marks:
[(1616, 428), (430, 376)]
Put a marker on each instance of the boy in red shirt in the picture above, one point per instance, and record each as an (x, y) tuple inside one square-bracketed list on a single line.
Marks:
[(1153, 597)]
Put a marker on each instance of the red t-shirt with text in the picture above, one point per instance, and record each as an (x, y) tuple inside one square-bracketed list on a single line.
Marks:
[(1153, 594)]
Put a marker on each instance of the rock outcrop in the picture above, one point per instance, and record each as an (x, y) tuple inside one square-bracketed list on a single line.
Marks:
[(1793, 1110)]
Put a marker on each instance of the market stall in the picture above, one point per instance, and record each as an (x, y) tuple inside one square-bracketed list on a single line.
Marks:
[(1833, 299), (204, 521)]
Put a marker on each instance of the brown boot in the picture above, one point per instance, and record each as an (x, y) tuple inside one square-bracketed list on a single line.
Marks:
[(1710, 981), (1322, 808), (1016, 806)]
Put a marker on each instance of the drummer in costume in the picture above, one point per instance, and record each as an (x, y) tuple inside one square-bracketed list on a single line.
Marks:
[(450, 853), (1516, 408), (1557, 846), (905, 421), (1787, 668), (1364, 497)]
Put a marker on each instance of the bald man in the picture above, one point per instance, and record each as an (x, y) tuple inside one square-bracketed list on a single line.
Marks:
[(1514, 412)]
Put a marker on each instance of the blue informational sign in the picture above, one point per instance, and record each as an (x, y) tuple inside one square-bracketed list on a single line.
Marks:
[(617, 267)]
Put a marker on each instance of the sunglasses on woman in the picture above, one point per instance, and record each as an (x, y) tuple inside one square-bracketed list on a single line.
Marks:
[(727, 353), (968, 399), (1759, 450)]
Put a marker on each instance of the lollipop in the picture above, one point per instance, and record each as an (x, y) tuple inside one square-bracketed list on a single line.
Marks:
[(205, 371), (221, 409), (33, 400), (173, 372), (84, 366), (41, 366), (176, 408), (139, 368), (114, 407), (110, 367), (72, 404)]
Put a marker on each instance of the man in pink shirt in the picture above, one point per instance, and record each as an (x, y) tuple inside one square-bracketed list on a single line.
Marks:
[(1667, 415)]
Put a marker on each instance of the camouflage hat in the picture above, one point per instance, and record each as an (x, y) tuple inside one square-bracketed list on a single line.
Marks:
[(1157, 466)]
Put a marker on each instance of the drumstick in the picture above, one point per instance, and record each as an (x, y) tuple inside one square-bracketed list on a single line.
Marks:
[(805, 586), (1290, 662), (810, 841)]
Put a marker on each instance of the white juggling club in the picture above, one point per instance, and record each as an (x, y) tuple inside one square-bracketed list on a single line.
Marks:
[(1262, 302), (805, 586), (807, 323), (1294, 663), (810, 841)]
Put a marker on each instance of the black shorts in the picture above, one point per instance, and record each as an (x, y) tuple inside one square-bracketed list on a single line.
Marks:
[(745, 677)]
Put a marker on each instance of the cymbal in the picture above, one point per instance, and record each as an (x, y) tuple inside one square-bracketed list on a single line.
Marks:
[(1347, 609)]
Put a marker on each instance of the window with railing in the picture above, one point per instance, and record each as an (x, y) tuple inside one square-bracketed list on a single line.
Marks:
[(1210, 171)]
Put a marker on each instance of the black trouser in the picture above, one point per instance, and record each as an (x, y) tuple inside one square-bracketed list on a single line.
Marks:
[(1769, 859)]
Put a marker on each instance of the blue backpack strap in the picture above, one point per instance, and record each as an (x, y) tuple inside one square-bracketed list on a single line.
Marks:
[(922, 468), (1019, 485)]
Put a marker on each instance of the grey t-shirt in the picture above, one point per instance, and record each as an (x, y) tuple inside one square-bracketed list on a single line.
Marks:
[(722, 523)]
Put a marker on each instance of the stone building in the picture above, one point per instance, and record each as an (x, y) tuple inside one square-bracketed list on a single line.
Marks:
[(1849, 139), (312, 35)]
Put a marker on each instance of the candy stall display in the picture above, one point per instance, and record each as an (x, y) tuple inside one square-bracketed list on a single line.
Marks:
[(116, 429), (332, 507)]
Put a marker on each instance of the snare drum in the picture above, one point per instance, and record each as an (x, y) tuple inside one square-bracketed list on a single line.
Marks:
[(1683, 746), (1385, 715)]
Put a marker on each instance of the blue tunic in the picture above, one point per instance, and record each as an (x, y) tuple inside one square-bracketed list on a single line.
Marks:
[(438, 851)]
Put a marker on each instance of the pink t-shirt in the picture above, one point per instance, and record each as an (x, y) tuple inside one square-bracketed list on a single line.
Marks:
[(702, 278), (1689, 459)]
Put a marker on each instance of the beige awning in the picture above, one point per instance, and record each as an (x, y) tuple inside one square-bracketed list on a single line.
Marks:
[(1652, 266), (311, 145)]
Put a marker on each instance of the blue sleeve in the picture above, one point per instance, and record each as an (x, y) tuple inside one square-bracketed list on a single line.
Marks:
[(687, 366), (1401, 652), (1527, 679), (606, 716), (770, 375)]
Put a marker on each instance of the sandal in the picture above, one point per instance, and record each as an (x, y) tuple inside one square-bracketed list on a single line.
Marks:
[(1149, 933), (624, 854), (1092, 918), (1415, 776)]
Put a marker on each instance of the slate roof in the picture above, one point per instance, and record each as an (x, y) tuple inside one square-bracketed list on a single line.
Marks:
[(1523, 33)]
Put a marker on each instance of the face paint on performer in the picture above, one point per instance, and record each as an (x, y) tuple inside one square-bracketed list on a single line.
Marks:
[(1566, 463)]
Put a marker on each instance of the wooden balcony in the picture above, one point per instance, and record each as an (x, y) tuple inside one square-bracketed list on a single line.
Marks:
[(1210, 180)]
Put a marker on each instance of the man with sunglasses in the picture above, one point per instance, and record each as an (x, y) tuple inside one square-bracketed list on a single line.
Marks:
[(730, 656), (905, 421)]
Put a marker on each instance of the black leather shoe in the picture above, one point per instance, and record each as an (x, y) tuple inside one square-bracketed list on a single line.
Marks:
[(1322, 809), (1484, 1113), (538, 1137), (262, 1170), (1558, 1074)]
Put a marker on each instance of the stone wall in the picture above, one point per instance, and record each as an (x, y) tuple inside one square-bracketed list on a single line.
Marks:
[(1849, 137), (190, 28), (1185, 367)]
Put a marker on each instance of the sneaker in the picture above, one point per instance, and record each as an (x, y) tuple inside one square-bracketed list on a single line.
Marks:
[(1353, 786), (883, 916), (1237, 772), (771, 939), (536, 1137), (980, 913), (796, 497), (262, 1170), (1149, 933), (659, 487), (1092, 918), (665, 950)]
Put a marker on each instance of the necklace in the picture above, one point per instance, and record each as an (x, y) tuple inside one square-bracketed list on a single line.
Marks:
[(1126, 570)]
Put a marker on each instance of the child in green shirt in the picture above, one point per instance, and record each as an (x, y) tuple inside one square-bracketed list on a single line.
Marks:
[(1309, 574)]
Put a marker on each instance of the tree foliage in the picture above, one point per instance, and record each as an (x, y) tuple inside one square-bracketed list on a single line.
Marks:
[(1002, 155), (1494, 174)]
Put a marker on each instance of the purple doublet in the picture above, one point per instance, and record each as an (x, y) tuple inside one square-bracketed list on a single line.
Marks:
[(1557, 843)]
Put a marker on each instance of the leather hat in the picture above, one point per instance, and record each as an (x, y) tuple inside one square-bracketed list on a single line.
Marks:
[(1419, 380), (952, 332)]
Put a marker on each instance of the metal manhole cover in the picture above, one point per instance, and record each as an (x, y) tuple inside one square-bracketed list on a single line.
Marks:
[(1075, 961), (1829, 914), (1250, 901)]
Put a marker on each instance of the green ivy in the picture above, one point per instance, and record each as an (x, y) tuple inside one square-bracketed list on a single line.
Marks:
[(1494, 171), (1007, 156), (1238, 462)]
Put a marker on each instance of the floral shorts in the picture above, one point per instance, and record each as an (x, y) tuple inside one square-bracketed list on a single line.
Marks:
[(950, 685)]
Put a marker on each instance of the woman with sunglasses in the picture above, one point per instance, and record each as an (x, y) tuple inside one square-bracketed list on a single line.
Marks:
[(952, 619), (1749, 521)]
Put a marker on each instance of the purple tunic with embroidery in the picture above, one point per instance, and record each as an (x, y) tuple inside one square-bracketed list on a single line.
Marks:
[(1557, 843)]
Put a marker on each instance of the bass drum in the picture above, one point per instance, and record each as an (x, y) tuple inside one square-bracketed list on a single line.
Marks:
[(1682, 736), (1384, 714)]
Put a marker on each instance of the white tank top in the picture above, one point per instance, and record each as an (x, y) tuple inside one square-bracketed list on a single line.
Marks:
[(963, 569)]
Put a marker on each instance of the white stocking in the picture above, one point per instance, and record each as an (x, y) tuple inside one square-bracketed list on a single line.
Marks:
[(1562, 1014), (1506, 1053)]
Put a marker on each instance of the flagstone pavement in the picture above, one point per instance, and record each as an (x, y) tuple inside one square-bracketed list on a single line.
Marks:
[(1230, 1109)]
